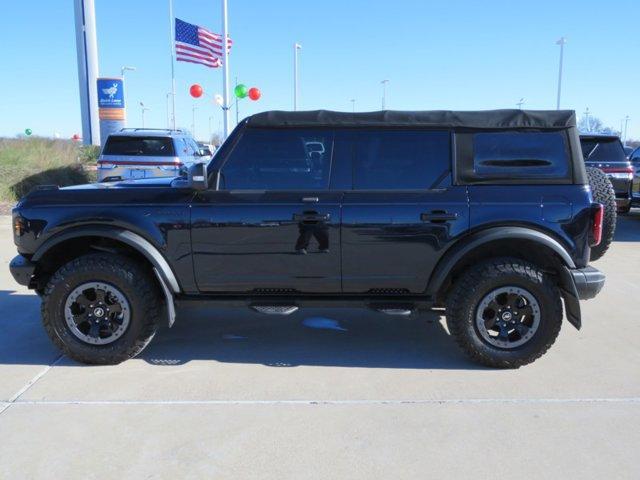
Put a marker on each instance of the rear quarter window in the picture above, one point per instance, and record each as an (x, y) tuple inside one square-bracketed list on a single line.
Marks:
[(515, 157), (139, 146)]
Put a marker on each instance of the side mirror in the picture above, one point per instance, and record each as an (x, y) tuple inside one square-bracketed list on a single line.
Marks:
[(198, 177)]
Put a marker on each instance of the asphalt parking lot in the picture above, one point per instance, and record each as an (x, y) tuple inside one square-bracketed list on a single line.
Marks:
[(232, 394)]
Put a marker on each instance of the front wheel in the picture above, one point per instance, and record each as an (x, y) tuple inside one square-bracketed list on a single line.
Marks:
[(101, 308), (504, 312)]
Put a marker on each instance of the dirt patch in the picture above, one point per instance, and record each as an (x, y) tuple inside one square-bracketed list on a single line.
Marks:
[(5, 208)]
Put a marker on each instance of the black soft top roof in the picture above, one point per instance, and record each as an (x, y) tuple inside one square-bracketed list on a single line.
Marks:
[(486, 119)]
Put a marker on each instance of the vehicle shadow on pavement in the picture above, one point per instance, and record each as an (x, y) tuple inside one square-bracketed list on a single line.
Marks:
[(321, 337), (317, 337), (628, 227), (23, 340)]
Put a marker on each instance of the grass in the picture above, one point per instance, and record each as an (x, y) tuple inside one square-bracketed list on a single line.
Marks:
[(28, 162)]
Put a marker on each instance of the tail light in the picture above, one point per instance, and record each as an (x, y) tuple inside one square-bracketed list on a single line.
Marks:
[(597, 217), (625, 173)]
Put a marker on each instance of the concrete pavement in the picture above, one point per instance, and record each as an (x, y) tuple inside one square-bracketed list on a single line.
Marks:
[(232, 394)]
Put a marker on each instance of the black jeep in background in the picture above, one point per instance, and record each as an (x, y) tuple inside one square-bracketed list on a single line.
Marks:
[(606, 153), (488, 215)]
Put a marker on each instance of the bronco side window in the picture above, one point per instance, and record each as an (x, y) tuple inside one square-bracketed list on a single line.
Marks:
[(400, 159), (279, 159), (520, 154)]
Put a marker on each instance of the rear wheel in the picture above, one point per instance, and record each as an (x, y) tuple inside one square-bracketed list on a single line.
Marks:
[(101, 308), (504, 313), (602, 192)]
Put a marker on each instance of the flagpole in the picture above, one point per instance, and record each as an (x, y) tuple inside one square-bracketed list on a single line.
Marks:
[(225, 70), (173, 76)]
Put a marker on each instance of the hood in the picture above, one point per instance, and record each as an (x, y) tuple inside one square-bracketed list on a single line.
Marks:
[(156, 182)]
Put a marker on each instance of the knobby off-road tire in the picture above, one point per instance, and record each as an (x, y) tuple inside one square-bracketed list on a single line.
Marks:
[(129, 290), (602, 192), (478, 284)]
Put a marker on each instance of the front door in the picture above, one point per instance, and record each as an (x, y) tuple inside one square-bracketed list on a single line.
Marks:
[(273, 226), (402, 211)]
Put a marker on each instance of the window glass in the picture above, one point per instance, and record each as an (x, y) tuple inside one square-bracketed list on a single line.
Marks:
[(400, 159), (275, 159), (520, 154), (139, 146), (602, 150)]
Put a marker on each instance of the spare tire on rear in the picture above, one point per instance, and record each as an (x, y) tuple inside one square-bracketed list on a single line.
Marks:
[(602, 192)]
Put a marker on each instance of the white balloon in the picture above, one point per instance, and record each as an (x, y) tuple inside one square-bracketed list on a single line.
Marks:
[(218, 99)]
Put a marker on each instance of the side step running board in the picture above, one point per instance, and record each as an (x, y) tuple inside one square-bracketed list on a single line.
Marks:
[(275, 309), (395, 311)]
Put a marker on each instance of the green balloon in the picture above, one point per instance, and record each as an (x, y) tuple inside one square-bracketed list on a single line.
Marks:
[(241, 90), (28, 131)]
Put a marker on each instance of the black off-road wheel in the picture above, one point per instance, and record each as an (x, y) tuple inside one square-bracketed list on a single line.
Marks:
[(101, 308), (504, 313), (602, 192)]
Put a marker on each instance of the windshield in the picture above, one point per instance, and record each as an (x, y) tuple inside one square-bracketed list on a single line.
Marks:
[(139, 146)]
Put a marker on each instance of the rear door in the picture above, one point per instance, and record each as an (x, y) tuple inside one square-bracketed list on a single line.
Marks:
[(273, 226), (401, 211)]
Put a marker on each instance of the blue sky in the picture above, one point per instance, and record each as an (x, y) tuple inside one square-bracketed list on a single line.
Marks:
[(436, 55)]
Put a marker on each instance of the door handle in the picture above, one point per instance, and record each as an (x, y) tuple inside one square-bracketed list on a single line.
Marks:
[(311, 217), (310, 199), (438, 216)]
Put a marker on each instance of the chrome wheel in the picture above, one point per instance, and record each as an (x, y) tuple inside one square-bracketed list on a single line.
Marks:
[(508, 317), (97, 313)]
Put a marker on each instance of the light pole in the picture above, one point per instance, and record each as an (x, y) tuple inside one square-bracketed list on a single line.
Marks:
[(384, 93), (586, 119), (193, 120), (353, 104), (142, 110), (296, 47), (626, 123), (520, 103), (560, 42), (210, 131), (122, 70), (225, 69), (169, 94)]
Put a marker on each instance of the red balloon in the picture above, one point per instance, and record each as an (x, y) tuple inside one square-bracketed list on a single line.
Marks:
[(75, 137), (254, 93), (196, 90)]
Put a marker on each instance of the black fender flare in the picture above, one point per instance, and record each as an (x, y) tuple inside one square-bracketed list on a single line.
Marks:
[(477, 239), (139, 243)]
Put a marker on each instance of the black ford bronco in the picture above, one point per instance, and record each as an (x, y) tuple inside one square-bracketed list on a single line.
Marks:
[(487, 215)]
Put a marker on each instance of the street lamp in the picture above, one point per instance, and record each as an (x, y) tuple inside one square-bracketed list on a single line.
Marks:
[(520, 103), (586, 118), (626, 122), (169, 123), (384, 93), (124, 69), (142, 110), (210, 131), (560, 42), (193, 120), (296, 47), (353, 104)]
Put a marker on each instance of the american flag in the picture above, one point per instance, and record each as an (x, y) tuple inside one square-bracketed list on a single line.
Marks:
[(198, 45)]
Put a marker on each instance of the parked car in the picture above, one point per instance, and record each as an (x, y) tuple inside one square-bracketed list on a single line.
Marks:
[(206, 150), (606, 153), (634, 158), (145, 152), (487, 215), (627, 152)]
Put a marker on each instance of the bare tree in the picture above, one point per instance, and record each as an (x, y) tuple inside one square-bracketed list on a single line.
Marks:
[(590, 124)]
